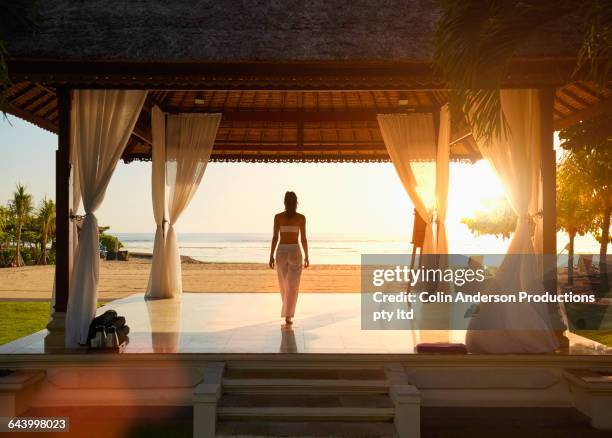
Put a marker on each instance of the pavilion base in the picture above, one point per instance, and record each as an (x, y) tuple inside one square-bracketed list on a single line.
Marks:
[(55, 339), (276, 391), (176, 345)]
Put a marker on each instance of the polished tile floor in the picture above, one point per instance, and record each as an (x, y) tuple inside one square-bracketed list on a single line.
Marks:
[(251, 323)]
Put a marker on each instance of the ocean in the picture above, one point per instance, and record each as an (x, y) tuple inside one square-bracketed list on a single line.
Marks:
[(345, 249), (340, 249)]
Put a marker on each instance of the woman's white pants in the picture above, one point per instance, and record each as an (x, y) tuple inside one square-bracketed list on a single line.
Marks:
[(289, 270)]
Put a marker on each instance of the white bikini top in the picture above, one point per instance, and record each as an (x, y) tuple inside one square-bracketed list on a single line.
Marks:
[(289, 229)]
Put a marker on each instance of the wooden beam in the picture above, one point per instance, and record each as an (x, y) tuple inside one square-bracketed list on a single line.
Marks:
[(296, 147), (300, 157), (297, 117), (44, 101), (329, 116), (569, 93), (278, 75), (32, 118), (586, 88), (41, 94), (595, 110), (13, 98), (62, 200)]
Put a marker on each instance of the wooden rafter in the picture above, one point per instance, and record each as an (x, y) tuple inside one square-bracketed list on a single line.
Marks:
[(595, 110)]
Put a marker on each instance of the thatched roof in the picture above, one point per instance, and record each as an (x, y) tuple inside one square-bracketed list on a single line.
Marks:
[(236, 30), (298, 80)]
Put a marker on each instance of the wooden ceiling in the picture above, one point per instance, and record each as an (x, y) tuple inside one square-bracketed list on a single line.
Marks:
[(301, 126)]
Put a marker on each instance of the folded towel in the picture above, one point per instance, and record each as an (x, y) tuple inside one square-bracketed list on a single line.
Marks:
[(441, 347), (122, 334), (104, 319), (118, 322)]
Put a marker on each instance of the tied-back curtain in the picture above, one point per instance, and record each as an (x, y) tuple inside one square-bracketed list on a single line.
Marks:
[(76, 185), (516, 160), (410, 140), (157, 287), (189, 140), (515, 157), (104, 121)]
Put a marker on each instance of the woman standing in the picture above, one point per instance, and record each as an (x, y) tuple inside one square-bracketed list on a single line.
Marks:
[(289, 225)]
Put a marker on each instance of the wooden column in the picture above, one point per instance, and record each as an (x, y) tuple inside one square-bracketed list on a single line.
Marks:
[(55, 339), (549, 189), (548, 168), (62, 197)]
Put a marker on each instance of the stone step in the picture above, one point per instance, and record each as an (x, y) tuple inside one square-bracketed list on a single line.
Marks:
[(305, 373), (305, 429), (354, 407), (304, 386)]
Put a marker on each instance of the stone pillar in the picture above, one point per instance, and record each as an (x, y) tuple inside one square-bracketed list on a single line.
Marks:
[(205, 398), (17, 390), (592, 395), (407, 401)]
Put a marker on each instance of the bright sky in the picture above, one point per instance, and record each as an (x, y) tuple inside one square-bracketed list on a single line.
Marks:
[(243, 197)]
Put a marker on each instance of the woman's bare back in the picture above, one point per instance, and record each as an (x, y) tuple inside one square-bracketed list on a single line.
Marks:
[(289, 228)]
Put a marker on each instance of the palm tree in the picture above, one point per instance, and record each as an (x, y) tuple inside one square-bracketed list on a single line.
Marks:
[(46, 221), (574, 206), (588, 143), (476, 40), (4, 218), (21, 207)]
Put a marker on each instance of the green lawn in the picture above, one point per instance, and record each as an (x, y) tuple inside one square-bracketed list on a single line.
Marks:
[(601, 336), (22, 318), (592, 321)]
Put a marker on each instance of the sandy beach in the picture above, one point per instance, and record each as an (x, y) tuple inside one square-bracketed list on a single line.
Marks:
[(120, 279)]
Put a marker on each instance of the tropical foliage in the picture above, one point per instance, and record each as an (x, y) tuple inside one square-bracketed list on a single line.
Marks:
[(46, 223), (584, 190), (589, 146), (476, 40), (26, 232), (108, 241), (20, 207), (574, 206), (497, 218)]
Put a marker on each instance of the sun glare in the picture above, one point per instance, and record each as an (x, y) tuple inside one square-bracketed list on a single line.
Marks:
[(471, 185)]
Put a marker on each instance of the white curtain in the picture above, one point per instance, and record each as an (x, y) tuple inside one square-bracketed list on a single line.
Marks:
[(422, 166), (189, 140), (76, 185), (157, 279), (104, 121), (516, 158)]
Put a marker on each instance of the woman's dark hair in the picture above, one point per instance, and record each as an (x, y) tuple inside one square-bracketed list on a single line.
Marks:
[(291, 203)]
